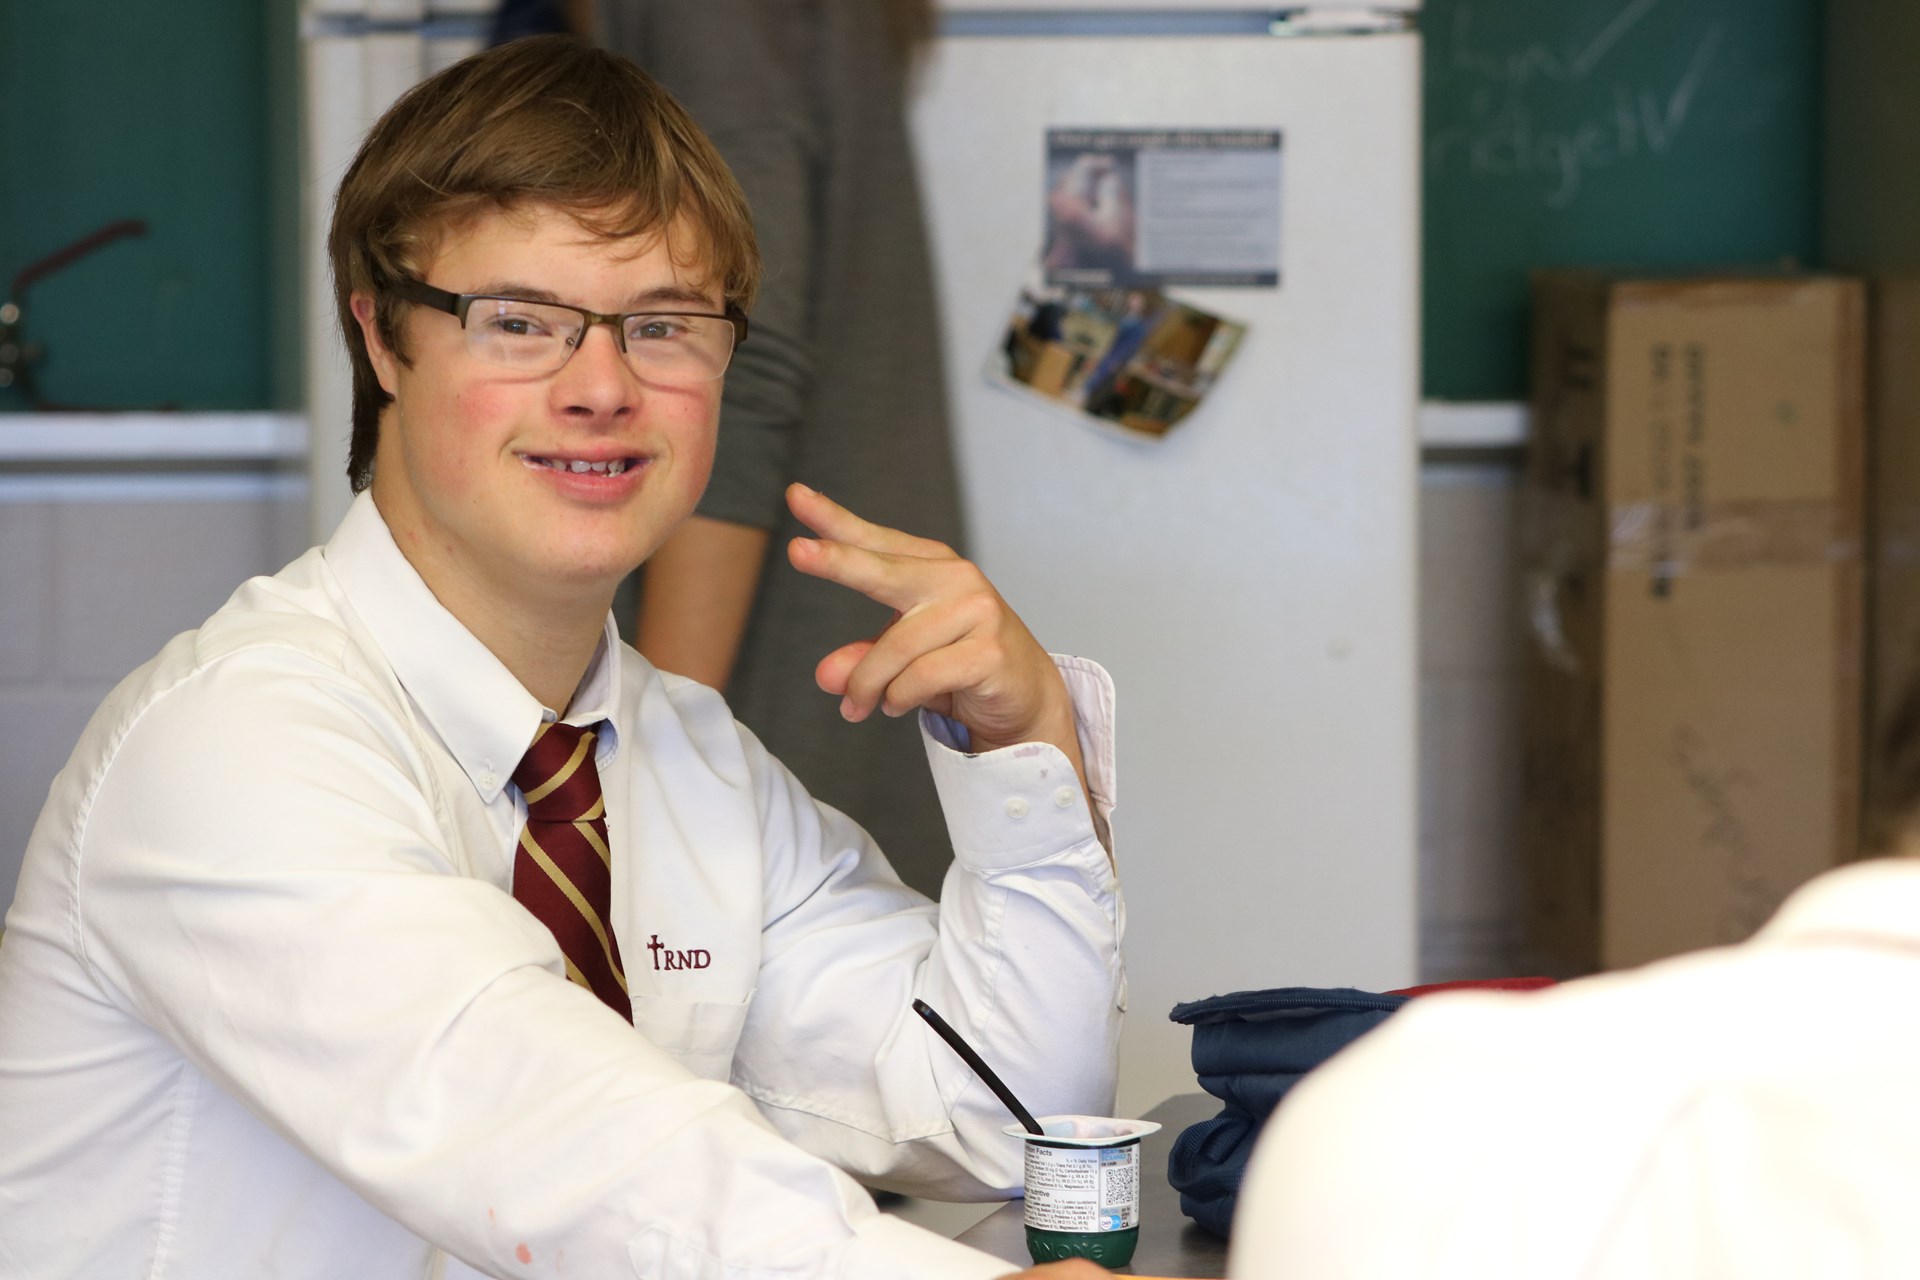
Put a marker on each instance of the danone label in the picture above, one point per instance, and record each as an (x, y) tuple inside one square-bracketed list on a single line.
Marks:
[(1083, 1188)]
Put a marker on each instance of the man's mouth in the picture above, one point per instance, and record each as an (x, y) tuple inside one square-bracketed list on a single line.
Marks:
[(580, 466)]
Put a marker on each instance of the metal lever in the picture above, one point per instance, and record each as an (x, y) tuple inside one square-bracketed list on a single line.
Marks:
[(18, 356)]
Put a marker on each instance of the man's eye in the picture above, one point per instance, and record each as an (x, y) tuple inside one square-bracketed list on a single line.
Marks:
[(514, 325), (659, 329)]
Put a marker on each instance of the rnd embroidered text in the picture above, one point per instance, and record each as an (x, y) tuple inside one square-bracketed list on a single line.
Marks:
[(665, 957)]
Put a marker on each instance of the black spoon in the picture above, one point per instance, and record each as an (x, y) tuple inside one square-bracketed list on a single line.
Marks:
[(980, 1068)]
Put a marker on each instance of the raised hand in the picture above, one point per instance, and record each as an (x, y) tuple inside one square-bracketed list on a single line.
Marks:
[(954, 645)]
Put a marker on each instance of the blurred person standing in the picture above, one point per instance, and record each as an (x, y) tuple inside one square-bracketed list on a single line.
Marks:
[(842, 382)]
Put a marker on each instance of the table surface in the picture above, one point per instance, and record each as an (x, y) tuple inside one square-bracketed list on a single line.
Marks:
[(1170, 1245)]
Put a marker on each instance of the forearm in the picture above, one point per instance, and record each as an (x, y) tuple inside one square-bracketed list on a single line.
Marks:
[(1023, 957), (696, 594), (1025, 965)]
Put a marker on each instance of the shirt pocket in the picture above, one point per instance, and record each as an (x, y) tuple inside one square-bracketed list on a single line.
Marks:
[(700, 1034)]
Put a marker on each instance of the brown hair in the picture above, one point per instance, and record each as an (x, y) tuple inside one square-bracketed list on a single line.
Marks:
[(548, 120)]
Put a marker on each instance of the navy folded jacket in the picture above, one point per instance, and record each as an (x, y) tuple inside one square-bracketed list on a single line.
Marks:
[(1249, 1048)]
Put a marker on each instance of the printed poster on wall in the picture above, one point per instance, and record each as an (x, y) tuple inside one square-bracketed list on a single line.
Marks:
[(1153, 207)]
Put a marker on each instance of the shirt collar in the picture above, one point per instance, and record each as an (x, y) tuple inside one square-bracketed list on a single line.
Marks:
[(481, 711), (1878, 898)]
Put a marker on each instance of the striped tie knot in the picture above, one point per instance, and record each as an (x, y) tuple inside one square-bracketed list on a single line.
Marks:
[(558, 777), (563, 869)]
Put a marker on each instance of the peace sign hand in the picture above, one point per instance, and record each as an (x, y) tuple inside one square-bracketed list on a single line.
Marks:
[(954, 646)]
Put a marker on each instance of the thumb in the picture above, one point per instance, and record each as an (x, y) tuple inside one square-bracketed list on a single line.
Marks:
[(832, 672)]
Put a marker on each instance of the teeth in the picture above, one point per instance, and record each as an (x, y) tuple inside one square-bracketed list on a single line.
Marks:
[(579, 466)]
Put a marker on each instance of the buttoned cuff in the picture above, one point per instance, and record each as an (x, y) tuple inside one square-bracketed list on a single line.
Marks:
[(886, 1248), (1019, 804)]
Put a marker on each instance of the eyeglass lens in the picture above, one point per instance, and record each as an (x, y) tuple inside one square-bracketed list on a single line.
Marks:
[(537, 337)]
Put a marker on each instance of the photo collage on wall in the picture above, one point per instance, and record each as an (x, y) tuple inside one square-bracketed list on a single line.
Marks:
[(1128, 213)]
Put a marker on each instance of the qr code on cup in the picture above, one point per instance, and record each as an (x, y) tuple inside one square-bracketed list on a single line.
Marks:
[(1120, 1188)]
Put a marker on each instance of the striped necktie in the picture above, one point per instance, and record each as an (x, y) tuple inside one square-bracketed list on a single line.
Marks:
[(563, 872)]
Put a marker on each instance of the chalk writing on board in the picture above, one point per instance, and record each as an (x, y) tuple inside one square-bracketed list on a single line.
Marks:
[(1507, 132)]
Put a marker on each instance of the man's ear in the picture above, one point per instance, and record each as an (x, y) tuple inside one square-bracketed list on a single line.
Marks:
[(386, 366)]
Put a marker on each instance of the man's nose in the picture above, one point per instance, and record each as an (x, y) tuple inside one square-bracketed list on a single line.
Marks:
[(596, 379)]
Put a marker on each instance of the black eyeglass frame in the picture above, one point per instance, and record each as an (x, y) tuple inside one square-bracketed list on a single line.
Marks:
[(458, 304)]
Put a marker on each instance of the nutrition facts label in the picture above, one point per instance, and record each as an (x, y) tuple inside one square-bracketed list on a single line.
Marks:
[(1083, 1188)]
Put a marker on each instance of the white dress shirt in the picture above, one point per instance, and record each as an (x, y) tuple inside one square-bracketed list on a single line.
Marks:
[(267, 1007), (1749, 1112)]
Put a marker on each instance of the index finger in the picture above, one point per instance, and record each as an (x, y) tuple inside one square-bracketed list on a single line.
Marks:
[(894, 580), (834, 522)]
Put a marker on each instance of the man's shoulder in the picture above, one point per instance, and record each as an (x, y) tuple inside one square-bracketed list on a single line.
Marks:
[(226, 695), (295, 621), (291, 629)]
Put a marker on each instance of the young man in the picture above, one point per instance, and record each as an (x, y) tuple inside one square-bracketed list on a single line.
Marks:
[(400, 921)]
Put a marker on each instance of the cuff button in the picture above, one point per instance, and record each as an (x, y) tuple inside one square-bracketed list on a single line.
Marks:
[(1016, 808)]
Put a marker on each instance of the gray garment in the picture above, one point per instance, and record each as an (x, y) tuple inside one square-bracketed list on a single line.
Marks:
[(839, 384)]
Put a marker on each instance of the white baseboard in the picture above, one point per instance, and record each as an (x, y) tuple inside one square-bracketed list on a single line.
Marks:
[(1473, 424)]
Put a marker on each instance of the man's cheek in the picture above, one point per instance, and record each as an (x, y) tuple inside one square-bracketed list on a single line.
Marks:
[(478, 431), (702, 469), (695, 446), (481, 405)]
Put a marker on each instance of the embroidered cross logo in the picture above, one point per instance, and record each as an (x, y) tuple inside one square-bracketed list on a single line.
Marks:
[(665, 957)]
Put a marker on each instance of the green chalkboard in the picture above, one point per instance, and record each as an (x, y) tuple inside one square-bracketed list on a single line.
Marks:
[(1619, 133), (161, 112)]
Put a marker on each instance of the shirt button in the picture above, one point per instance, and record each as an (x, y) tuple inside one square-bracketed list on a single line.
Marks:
[(1064, 797), (486, 780), (1016, 808)]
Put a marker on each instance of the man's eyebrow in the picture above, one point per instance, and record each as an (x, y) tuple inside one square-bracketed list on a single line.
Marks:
[(681, 294), (514, 289)]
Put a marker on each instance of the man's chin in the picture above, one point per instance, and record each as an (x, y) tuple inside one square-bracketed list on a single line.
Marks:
[(578, 576)]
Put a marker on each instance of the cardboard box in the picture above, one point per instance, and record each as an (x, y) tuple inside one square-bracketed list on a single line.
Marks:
[(1692, 544)]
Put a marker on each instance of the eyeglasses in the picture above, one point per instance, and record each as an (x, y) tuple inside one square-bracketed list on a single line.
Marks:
[(540, 337)]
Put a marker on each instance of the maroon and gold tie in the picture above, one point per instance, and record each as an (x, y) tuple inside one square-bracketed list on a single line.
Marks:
[(563, 872)]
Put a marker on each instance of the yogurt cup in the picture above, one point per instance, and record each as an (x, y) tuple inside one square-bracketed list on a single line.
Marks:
[(1083, 1187)]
